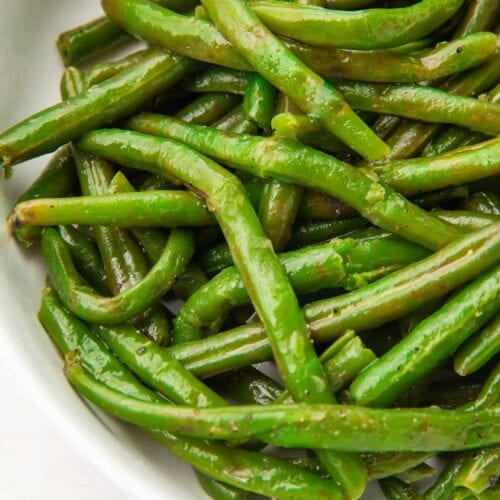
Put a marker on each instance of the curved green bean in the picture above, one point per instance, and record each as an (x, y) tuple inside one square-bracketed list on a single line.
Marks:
[(480, 349), (213, 459), (112, 99), (430, 343), (479, 470), (481, 15), (79, 298), (287, 73), (362, 29), (259, 101), (483, 202), (140, 209), (208, 108), (342, 263), (56, 179), (236, 121), (253, 256), (287, 160), (303, 425)]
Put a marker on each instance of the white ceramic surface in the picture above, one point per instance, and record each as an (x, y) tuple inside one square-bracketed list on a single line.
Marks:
[(125, 463), (134, 465)]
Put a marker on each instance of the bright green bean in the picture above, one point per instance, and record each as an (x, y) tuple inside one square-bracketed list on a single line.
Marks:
[(480, 349), (259, 101), (429, 344), (289, 161), (208, 108)]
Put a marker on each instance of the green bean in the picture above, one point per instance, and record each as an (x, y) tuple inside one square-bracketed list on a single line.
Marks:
[(259, 101), (89, 40), (302, 425), (348, 363), (279, 158), (208, 108), (480, 470), (215, 259), (411, 177), (470, 221), (214, 459), (278, 207), (287, 73), (86, 258), (56, 179), (387, 299), (430, 343), (386, 66), (318, 205), (220, 79), (108, 101), (100, 72), (480, 349), (483, 202), (217, 490), (410, 138), (236, 121), (441, 197), (361, 30), (141, 209), (343, 263), (417, 473), (395, 100), (395, 489), (317, 231), (80, 299), (445, 483), (253, 256), (481, 15), (248, 386), (455, 136)]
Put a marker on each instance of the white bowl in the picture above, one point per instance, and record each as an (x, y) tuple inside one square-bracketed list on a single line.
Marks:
[(135, 465)]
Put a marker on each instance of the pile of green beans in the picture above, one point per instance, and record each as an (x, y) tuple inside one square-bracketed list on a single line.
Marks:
[(256, 170)]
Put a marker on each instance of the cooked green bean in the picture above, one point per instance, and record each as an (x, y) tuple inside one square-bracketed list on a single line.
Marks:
[(483, 202), (259, 101), (343, 263), (395, 489), (213, 459), (56, 179), (308, 233), (287, 73), (218, 490), (236, 121), (302, 425), (255, 260), (373, 305), (79, 298), (112, 99), (318, 205), (386, 66), (480, 349), (361, 30), (417, 473), (89, 40), (479, 470), (141, 209), (289, 161), (86, 258), (208, 108), (220, 79), (430, 343), (481, 15)]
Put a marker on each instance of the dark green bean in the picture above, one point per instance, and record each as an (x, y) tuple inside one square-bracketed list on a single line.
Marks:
[(417, 473), (480, 349), (236, 121), (483, 202), (208, 108), (318, 205), (213, 459), (395, 489), (86, 258), (289, 161), (302, 425), (218, 490), (362, 30), (308, 233), (89, 40), (481, 15), (79, 298), (56, 179), (108, 101), (141, 209), (430, 343), (287, 73)]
